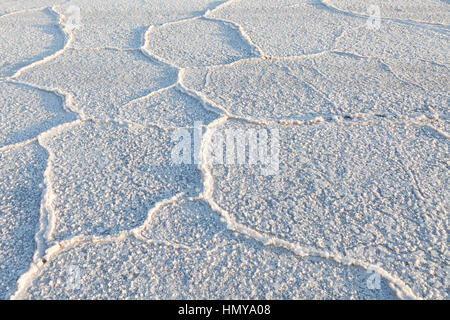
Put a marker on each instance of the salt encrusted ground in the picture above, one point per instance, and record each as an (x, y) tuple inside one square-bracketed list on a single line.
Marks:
[(93, 206)]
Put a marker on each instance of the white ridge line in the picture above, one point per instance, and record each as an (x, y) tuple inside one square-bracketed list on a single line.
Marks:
[(127, 123), (152, 56), (242, 33), (103, 48), (144, 97), (220, 6), (137, 232), (180, 21), (47, 217), (36, 138), (264, 58), (68, 42), (187, 19), (93, 120), (296, 122), (440, 132), (398, 77), (397, 285), (45, 225), (17, 144), (25, 281), (206, 103), (353, 119), (145, 48), (66, 97), (38, 266), (415, 23), (23, 11)]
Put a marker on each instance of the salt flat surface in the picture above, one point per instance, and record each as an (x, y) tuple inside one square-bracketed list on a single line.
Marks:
[(353, 191), (82, 73), (97, 97), (27, 37), (35, 111), (178, 43), (431, 11), (267, 89), (21, 186), (202, 260)]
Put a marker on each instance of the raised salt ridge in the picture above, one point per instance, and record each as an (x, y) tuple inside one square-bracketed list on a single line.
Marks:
[(351, 98)]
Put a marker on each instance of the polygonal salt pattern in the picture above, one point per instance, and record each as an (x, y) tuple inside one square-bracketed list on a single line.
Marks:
[(97, 97), (236, 268), (405, 42), (273, 89), (373, 191), (166, 108), (27, 112), (27, 37), (123, 23), (101, 81), (199, 42), (105, 177), (288, 28)]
